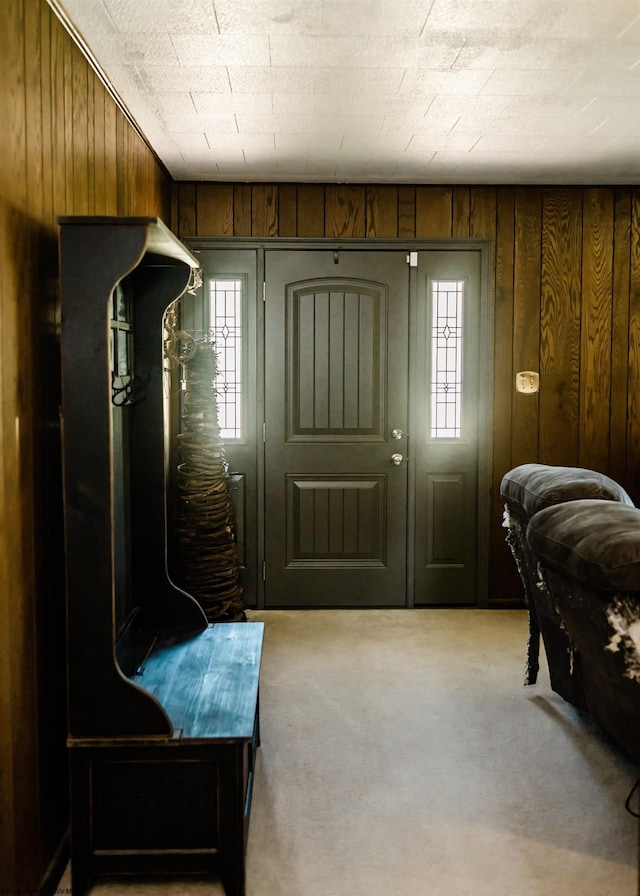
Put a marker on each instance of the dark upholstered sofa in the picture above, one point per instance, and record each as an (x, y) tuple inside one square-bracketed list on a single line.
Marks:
[(575, 536)]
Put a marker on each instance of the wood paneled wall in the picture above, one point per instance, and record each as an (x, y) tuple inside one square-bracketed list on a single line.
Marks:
[(566, 285), (65, 148)]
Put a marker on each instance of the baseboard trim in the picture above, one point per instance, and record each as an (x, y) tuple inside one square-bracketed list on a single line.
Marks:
[(57, 866)]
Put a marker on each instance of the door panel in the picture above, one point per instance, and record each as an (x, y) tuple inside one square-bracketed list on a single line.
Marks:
[(445, 427), (336, 386)]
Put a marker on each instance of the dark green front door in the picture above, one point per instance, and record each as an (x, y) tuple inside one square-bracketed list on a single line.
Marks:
[(336, 390)]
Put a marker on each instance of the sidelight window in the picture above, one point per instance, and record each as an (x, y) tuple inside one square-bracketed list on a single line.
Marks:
[(446, 358), (225, 323)]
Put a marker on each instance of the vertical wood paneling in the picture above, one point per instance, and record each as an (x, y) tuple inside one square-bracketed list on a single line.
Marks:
[(311, 204), (406, 212), (287, 210), (502, 576), (526, 321), (560, 326), (59, 156), (461, 206), (264, 210), (633, 386), (110, 156), (214, 209), (381, 212), (344, 212), (482, 212), (620, 333), (433, 212), (596, 328), (187, 210), (242, 210)]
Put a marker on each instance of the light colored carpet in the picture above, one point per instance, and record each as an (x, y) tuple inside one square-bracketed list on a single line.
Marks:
[(402, 756)]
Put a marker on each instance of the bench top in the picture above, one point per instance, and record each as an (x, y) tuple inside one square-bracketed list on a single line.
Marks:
[(208, 685)]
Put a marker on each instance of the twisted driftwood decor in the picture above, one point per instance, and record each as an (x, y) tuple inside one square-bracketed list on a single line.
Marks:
[(207, 557)]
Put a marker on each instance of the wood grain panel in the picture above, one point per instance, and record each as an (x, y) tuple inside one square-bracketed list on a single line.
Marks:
[(503, 580), (633, 406), (288, 210), (187, 225), (344, 211), (99, 150), (381, 213), (596, 328), (620, 334), (59, 157), (214, 209), (80, 133), (433, 212), (406, 212), (264, 210), (461, 201), (242, 210), (526, 321), (310, 210), (560, 326), (482, 212)]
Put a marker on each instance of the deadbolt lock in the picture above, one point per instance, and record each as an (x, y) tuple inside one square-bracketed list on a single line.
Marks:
[(397, 434)]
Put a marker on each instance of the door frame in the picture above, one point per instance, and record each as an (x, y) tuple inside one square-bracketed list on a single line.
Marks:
[(486, 373)]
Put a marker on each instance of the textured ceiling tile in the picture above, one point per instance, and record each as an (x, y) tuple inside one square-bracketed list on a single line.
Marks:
[(291, 143), (218, 141), (269, 16), (222, 49), (425, 81), (181, 78), (502, 126), (197, 16), (266, 79), (309, 124), (373, 17), (374, 144), (562, 127), (354, 80), (302, 50), (619, 127), (582, 19), (188, 122), (532, 92), (231, 103), (480, 17), (527, 83), (428, 143), (606, 83)]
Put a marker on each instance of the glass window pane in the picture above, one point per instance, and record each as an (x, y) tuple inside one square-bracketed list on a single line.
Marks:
[(225, 322), (446, 358)]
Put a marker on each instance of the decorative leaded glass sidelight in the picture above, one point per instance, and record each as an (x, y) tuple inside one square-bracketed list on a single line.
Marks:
[(225, 321), (447, 297)]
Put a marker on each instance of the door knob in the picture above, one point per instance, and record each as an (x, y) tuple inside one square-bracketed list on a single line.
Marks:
[(397, 459), (396, 434)]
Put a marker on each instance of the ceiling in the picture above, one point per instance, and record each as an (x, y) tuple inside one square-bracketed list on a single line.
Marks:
[(378, 91)]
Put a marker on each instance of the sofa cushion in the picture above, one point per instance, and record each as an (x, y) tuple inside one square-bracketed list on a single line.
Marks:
[(596, 542), (531, 487)]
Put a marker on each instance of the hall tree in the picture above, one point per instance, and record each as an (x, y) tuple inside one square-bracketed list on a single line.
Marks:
[(567, 303)]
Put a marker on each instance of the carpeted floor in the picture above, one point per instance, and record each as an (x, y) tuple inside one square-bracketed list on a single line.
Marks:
[(402, 756)]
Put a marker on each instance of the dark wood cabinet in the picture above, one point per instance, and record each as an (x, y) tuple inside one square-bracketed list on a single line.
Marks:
[(163, 707)]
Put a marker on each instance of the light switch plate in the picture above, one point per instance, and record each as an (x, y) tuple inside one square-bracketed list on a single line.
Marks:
[(527, 381)]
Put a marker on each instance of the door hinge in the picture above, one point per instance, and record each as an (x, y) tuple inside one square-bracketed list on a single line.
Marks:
[(264, 571), (412, 259), (264, 432), (264, 290)]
